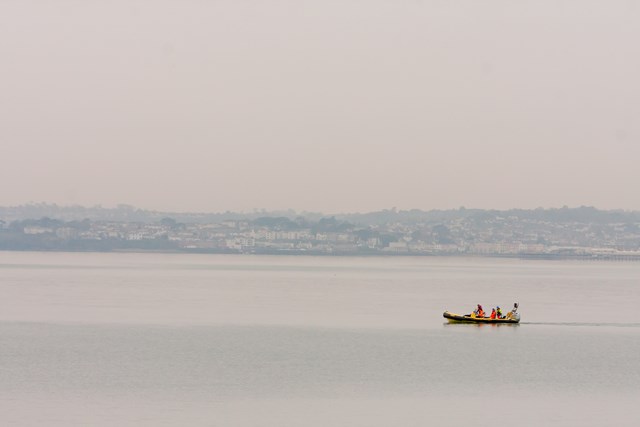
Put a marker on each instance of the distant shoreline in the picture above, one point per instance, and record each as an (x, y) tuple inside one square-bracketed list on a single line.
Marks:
[(545, 257)]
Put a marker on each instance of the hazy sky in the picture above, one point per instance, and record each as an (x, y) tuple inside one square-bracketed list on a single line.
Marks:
[(333, 106)]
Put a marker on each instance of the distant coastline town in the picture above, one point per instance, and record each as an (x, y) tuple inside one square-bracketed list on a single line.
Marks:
[(579, 233)]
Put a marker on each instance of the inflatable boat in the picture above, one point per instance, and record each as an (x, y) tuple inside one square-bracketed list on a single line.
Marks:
[(468, 318)]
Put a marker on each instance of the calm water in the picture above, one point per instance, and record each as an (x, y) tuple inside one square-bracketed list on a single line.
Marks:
[(174, 340)]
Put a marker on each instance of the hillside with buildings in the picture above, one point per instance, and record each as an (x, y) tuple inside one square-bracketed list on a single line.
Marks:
[(567, 232)]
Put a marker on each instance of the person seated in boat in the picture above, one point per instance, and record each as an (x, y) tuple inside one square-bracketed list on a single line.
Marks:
[(499, 313), (478, 312), (493, 313)]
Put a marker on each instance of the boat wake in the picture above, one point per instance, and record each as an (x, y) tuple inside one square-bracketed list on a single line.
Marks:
[(616, 325)]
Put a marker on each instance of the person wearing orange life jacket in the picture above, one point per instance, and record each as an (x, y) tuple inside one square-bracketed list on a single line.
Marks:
[(493, 313), (479, 312)]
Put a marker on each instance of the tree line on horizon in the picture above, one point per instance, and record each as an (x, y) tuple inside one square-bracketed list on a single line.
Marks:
[(127, 213)]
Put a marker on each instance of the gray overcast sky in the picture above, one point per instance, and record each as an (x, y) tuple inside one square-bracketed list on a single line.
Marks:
[(333, 106)]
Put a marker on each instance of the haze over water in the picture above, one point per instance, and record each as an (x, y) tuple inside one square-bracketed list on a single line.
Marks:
[(320, 105), (170, 340)]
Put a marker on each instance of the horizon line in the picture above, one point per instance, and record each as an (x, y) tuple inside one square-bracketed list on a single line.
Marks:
[(303, 211)]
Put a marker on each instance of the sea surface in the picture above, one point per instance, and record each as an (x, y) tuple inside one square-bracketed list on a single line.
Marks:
[(89, 339)]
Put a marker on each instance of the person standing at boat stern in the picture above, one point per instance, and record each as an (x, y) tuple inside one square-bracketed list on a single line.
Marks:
[(512, 313)]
